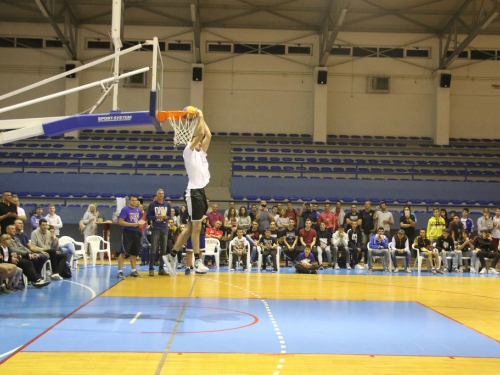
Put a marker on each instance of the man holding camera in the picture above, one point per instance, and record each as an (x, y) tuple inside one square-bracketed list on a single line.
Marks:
[(263, 216)]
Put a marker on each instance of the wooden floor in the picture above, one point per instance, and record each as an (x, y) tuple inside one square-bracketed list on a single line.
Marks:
[(472, 301)]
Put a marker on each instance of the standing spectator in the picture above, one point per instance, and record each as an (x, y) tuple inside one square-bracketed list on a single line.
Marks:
[(385, 218), (407, 222), (401, 247), (329, 219), (446, 246), (158, 216), (435, 226), (35, 219), (292, 213), (275, 213), (90, 221), (339, 213), (253, 211), (467, 221), (263, 216), (456, 227), (21, 214), (484, 247), (8, 211), (315, 208), (352, 216), (174, 214), (368, 220), (306, 213), (54, 219), (495, 232), (130, 220), (444, 214), (213, 216), (484, 223), (244, 220), (340, 242), (379, 246)]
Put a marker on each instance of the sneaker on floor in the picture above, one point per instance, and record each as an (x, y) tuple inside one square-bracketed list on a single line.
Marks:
[(162, 272), (408, 270), (348, 266), (386, 270), (359, 267), (40, 283), (187, 272), (337, 266), (199, 267), (396, 270), (369, 270), (169, 263), (439, 270), (151, 272), (179, 266), (493, 271), (472, 270), (56, 277), (120, 275), (321, 267), (232, 269), (263, 269), (456, 270), (135, 274), (4, 290), (483, 271), (274, 271), (433, 270), (445, 270)]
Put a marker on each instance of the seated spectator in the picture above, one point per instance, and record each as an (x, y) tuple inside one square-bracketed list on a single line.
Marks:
[(24, 251), (355, 248), (385, 218), (8, 211), (444, 214), (407, 222), (21, 214), (379, 246), (466, 246), (42, 240), (54, 220), (231, 231), (252, 236), (269, 247), (307, 235), (435, 226), (401, 247), (68, 248), (290, 240), (329, 219), (36, 217), (446, 247), (275, 213), (263, 216), (183, 216), (426, 251), (368, 220), (306, 263), (213, 216), (484, 247), (231, 214), (244, 220), (456, 227), (353, 216), (9, 256), (274, 230), (467, 221), (232, 204), (495, 232), (484, 223), (253, 211), (306, 212), (292, 213), (174, 214), (282, 221), (239, 247), (340, 242), (323, 243), (7, 272), (217, 233)]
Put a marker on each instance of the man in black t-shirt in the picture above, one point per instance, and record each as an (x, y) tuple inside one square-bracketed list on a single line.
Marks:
[(354, 215), (368, 219), (290, 239), (8, 211)]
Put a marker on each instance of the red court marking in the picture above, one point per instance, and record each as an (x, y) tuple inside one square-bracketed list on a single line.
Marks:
[(56, 324), (456, 321), (255, 320)]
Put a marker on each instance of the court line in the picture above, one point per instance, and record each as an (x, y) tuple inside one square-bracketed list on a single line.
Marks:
[(7, 353), (85, 286), (135, 318), (55, 324), (174, 331)]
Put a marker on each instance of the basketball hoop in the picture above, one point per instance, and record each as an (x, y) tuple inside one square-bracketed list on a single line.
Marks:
[(183, 122)]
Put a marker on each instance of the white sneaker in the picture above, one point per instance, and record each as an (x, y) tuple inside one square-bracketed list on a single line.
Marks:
[(359, 267), (348, 266), (396, 270), (408, 270), (169, 264), (472, 270), (483, 271), (493, 271), (56, 277), (337, 266), (199, 267)]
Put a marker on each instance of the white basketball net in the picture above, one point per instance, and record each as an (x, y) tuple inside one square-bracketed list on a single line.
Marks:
[(183, 128)]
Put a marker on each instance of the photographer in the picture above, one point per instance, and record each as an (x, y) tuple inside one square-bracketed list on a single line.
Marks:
[(263, 216)]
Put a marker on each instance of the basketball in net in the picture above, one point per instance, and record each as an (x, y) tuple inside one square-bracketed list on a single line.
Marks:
[(184, 123)]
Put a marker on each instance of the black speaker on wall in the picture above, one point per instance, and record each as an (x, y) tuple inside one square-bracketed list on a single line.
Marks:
[(197, 74), (322, 75), (71, 67), (445, 80)]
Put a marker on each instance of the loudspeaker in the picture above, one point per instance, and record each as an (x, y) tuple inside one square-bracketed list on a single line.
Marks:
[(322, 75), (71, 67), (445, 80), (197, 74)]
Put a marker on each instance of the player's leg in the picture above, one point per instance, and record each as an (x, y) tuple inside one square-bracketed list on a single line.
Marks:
[(134, 252)]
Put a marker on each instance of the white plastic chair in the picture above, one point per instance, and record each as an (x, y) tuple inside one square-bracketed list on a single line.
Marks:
[(65, 240), (46, 266), (95, 247), (418, 260), (391, 248), (249, 264), (212, 248), (259, 259)]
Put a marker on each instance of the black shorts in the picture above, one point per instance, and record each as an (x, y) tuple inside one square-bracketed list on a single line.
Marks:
[(196, 203), (131, 242)]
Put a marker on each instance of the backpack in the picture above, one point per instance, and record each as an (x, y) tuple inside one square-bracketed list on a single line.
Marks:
[(82, 226), (66, 271)]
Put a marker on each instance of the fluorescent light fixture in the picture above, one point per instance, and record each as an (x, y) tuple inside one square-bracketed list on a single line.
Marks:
[(490, 20), (193, 12)]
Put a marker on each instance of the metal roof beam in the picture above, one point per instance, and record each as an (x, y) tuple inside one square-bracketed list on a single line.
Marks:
[(195, 17), (334, 19)]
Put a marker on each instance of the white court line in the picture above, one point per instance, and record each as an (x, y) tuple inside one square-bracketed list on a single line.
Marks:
[(12, 351), (135, 318), (85, 286)]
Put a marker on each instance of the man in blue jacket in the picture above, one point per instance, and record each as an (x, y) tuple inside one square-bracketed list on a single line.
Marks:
[(379, 246)]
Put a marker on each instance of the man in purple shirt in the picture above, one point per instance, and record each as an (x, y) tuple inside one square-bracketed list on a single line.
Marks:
[(214, 216), (306, 263)]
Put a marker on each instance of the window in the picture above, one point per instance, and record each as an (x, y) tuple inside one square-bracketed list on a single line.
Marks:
[(29, 43), (418, 52), (182, 47), (246, 48), (482, 54), (391, 52), (364, 51), (269, 49), (341, 51), (7, 42), (461, 55), (98, 44), (53, 43), (299, 50), (219, 47)]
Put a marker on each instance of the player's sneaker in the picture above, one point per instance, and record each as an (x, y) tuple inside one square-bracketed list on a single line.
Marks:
[(120, 275), (135, 274), (170, 264), (199, 267), (187, 271)]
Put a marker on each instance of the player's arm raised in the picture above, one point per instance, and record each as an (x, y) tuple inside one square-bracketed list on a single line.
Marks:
[(207, 133), (199, 132)]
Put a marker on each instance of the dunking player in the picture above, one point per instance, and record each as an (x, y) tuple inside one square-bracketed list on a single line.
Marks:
[(195, 159)]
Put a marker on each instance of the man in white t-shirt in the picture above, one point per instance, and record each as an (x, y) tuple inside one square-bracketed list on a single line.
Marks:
[(21, 214), (239, 247), (385, 219), (195, 160)]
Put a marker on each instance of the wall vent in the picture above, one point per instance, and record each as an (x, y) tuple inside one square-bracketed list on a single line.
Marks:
[(137, 80), (378, 84)]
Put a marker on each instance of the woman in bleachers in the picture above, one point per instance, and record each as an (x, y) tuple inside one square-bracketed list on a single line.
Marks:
[(183, 216), (231, 213), (282, 221), (444, 215), (244, 219), (174, 214), (90, 222)]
